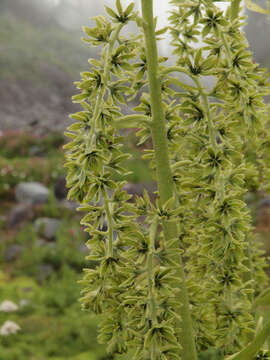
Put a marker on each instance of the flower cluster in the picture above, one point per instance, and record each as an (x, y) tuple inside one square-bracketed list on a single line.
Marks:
[(215, 129), (138, 281), (133, 283)]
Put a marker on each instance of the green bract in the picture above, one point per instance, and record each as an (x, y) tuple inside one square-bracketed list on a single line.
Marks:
[(180, 284)]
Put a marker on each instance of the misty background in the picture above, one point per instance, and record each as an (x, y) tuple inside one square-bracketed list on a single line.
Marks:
[(42, 243), (42, 54)]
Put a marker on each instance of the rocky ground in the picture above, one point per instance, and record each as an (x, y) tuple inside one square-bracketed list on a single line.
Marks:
[(41, 108)]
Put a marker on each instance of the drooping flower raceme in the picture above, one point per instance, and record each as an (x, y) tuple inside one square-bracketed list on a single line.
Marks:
[(215, 129), (152, 302)]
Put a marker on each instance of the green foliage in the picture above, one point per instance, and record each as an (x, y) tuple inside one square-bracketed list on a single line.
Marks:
[(63, 251), (210, 133), (18, 164), (14, 171), (51, 321), (19, 144), (52, 324)]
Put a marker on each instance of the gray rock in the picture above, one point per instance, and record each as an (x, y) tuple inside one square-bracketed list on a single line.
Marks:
[(83, 249), (264, 202), (44, 271), (31, 193), (134, 189), (47, 227), (40, 242), (12, 252), (43, 243), (60, 189), (24, 302), (138, 189), (69, 204), (19, 214), (35, 151)]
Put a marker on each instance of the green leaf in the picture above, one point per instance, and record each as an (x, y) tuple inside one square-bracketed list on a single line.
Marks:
[(262, 300), (119, 7), (252, 349), (129, 9), (162, 31), (110, 12)]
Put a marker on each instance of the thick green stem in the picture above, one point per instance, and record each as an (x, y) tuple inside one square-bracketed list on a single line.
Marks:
[(163, 170), (254, 347)]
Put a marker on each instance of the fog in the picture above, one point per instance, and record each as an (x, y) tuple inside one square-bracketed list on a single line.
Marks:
[(42, 53), (73, 14)]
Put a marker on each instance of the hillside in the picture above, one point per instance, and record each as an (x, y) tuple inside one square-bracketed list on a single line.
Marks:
[(39, 63)]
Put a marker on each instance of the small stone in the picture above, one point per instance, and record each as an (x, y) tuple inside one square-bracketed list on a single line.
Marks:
[(83, 249), (264, 202), (8, 306), (19, 214), (60, 189), (47, 227), (138, 189), (9, 327), (35, 151), (40, 242), (70, 204), (44, 271), (12, 252), (31, 193), (23, 303)]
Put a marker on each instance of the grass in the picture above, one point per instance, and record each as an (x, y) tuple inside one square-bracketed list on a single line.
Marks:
[(51, 320)]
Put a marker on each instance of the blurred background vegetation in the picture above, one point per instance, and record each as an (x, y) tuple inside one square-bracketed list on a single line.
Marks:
[(42, 245)]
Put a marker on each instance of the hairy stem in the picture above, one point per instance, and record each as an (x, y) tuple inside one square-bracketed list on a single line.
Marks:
[(163, 170)]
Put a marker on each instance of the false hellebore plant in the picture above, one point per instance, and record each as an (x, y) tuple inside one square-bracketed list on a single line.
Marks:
[(185, 282)]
